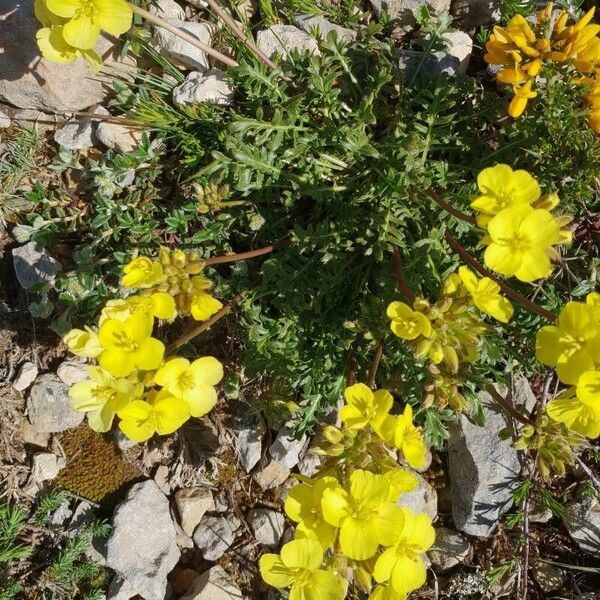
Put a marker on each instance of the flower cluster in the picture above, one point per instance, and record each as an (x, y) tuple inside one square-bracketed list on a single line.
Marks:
[(572, 346), (448, 332), (521, 229), (522, 50), (71, 28), (349, 526), (132, 378)]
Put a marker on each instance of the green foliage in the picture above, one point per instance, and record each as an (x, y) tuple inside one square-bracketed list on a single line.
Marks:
[(49, 503), (12, 520)]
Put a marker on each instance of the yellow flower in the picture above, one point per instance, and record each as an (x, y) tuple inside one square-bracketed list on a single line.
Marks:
[(298, 567), (128, 345), (407, 323), (485, 294), (159, 305), (401, 433), (102, 396), (385, 592), (161, 413), (402, 564), (203, 305), (502, 188), (303, 505), (142, 272), (522, 95), (364, 407), (83, 343), (87, 18), (54, 48), (520, 238), (194, 383), (579, 408), (362, 512), (573, 344), (400, 481)]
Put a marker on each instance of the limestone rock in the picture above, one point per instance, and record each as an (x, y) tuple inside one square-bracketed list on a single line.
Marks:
[(48, 406), (267, 526), (280, 39), (319, 24), (29, 81), (34, 265), (214, 535), (582, 519), (286, 449), (250, 433), (450, 549), (212, 86), (142, 547), (167, 9), (214, 584), (71, 371), (117, 137), (4, 120), (27, 374), (120, 589), (471, 14), (484, 470), (271, 475), (76, 134), (421, 499), (192, 504), (180, 51), (401, 11), (46, 467)]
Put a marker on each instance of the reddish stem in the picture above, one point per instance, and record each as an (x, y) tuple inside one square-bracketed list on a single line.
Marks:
[(401, 282), (450, 209)]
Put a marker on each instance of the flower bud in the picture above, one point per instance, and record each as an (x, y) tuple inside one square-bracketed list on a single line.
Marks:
[(332, 434)]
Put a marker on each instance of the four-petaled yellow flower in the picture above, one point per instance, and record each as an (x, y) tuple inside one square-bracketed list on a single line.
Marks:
[(364, 407), (579, 408), (303, 505), (54, 48), (83, 343), (203, 305), (402, 564), (401, 433), (485, 294), (299, 568), (573, 344), (192, 382), (85, 19), (162, 413), (519, 242), (102, 396), (159, 305), (142, 272), (128, 345), (363, 513), (407, 323)]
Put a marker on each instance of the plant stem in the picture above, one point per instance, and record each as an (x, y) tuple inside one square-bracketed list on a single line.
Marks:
[(374, 365), (588, 472), (196, 331), (190, 39), (507, 289), (507, 406), (450, 209), (401, 282), (225, 258)]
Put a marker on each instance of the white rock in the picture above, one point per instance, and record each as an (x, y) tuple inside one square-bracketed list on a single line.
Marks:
[(401, 11), (180, 51), (120, 589), (214, 536), (61, 514), (280, 39), (46, 466), (162, 479), (167, 9), (214, 584), (323, 27), (211, 86), (48, 406), (192, 504), (4, 120), (455, 59), (310, 464), (484, 470), (142, 547), (286, 449), (76, 134), (250, 433), (450, 549), (421, 499), (474, 13), (29, 81), (582, 519), (34, 265), (117, 137), (267, 526), (27, 374), (271, 475), (71, 372)]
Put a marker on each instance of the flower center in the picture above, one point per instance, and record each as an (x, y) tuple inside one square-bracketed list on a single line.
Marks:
[(518, 242), (124, 342), (89, 9)]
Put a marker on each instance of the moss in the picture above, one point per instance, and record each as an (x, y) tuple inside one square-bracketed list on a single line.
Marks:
[(95, 469)]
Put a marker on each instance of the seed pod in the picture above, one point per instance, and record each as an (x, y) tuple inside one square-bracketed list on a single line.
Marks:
[(332, 434)]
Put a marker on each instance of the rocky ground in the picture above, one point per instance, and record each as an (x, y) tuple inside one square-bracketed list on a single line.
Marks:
[(191, 514)]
